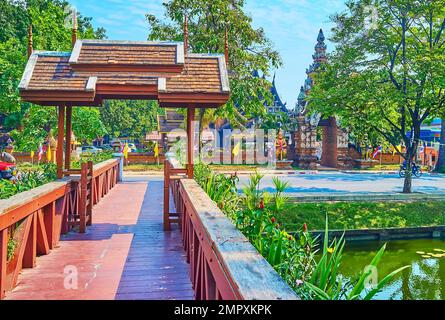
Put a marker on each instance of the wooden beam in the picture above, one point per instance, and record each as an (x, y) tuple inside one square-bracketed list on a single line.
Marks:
[(190, 144), (69, 124), (30, 254), (3, 260), (59, 154)]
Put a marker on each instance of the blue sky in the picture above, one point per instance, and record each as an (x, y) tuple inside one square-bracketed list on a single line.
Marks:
[(292, 25)]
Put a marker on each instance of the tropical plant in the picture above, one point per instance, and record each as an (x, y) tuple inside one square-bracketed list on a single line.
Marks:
[(27, 181), (327, 284)]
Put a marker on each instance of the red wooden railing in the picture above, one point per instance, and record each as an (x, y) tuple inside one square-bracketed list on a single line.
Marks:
[(224, 264), (38, 217)]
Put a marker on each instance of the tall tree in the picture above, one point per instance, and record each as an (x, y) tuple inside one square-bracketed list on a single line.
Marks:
[(386, 74), (249, 49)]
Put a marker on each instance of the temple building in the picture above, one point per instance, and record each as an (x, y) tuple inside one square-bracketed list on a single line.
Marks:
[(277, 105), (332, 150)]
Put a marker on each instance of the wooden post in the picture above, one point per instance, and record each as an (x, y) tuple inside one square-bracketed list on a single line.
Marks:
[(49, 218), (186, 35), (90, 183), (29, 258), (3, 260), (83, 197), (69, 116), (74, 31), (167, 226), (190, 144), (30, 41), (59, 154)]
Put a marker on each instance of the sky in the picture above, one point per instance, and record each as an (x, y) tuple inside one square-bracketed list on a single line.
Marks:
[(292, 26)]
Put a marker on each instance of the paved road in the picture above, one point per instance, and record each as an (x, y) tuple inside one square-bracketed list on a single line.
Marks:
[(341, 183)]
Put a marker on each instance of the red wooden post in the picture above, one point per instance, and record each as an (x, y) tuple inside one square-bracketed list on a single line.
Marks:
[(59, 155), (3, 260), (69, 115), (83, 197), (49, 215), (190, 144), (167, 226), (42, 237), (90, 183), (29, 258)]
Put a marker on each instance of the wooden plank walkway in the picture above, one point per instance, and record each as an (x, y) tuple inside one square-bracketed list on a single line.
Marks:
[(124, 255)]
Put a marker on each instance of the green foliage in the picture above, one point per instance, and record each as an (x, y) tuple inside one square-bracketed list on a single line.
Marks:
[(326, 283), (249, 49), (220, 188), (130, 118), (94, 157), (12, 245), (385, 81), (28, 180), (362, 215), (31, 124), (87, 131)]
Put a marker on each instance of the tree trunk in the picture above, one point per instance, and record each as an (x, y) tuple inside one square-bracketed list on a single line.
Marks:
[(408, 183), (440, 167)]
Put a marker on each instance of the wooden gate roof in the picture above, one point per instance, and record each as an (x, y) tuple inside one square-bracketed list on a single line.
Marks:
[(101, 69)]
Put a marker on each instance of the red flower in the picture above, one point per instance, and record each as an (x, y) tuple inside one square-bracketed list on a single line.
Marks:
[(305, 227), (273, 220), (262, 205)]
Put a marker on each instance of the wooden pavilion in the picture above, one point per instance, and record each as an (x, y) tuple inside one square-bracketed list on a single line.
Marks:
[(97, 70)]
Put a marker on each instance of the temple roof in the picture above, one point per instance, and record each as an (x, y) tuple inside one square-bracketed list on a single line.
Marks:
[(49, 76), (128, 55), (277, 100), (98, 70)]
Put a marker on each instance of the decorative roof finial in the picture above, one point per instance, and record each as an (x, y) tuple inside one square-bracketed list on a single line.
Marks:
[(30, 41), (226, 45), (74, 31), (321, 36), (186, 34)]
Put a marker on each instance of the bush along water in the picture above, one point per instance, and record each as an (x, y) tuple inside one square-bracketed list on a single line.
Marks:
[(312, 274), (28, 180)]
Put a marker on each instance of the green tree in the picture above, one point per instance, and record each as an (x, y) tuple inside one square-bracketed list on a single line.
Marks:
[(386, 74), (249, 49), (31, 124), (130, 118)]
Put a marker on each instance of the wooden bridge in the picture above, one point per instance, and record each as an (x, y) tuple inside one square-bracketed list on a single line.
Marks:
[(125, 252)]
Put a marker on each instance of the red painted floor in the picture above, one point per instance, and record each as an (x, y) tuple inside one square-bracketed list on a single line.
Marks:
[(124, 255)]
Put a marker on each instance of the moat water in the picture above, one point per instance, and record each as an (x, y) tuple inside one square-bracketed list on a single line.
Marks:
[(424, 280)]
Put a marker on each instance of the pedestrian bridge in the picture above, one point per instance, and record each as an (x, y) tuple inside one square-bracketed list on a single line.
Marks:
[(125, 252)]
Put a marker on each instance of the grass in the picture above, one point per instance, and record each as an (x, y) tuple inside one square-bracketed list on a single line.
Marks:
[(362, 215)]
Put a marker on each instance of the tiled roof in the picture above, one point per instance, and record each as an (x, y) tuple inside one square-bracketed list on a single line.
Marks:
[(98, 70), (49, 76), (111, 54), (201, 75), (51, 71)]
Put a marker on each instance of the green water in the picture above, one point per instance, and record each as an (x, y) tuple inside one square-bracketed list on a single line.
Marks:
[(425, 280)]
